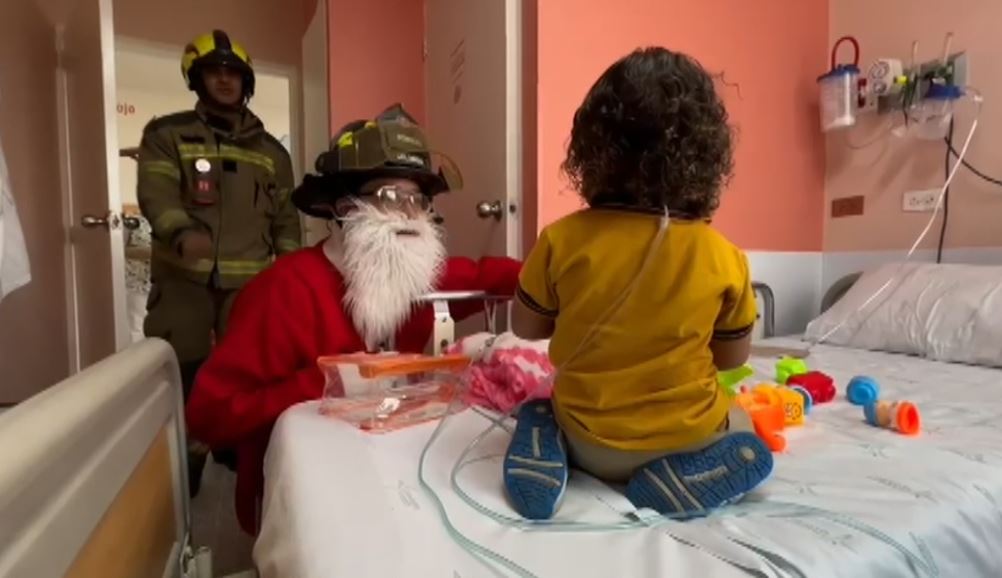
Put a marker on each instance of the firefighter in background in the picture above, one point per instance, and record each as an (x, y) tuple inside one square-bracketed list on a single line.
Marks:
[(215, 187)]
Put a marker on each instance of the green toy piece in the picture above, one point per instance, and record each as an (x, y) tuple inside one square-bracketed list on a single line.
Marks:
[(732, 377), (787, 367)]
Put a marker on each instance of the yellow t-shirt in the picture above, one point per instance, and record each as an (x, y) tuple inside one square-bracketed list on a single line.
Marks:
[(646, 379)]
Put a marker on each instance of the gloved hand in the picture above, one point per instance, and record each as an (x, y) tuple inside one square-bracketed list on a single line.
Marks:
[(194, 245)]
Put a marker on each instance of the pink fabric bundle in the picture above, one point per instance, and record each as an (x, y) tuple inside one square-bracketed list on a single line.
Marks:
[(506, 370)]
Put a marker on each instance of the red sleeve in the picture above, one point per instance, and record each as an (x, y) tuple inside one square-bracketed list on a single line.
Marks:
[(264, 364), (496, 276)]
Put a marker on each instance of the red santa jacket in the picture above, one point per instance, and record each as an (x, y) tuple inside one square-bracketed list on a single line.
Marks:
[(281, 322)]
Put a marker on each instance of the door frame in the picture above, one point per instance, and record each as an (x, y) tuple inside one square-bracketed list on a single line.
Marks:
[(165, 50), (314, 230), (69, 217), (71, 226), (514, 135)]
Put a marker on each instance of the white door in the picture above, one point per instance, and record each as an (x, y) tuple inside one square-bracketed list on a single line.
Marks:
[(472, 74), (89, 155), (474, 87)]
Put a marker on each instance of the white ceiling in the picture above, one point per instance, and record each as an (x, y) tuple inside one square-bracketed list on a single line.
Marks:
[(150, 71)]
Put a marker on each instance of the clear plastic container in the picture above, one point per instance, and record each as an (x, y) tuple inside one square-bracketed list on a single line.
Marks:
[(933, 114), (839, 97), (385, 392)]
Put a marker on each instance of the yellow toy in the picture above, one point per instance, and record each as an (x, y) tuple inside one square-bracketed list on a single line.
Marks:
[(794, 402), (793, 406)]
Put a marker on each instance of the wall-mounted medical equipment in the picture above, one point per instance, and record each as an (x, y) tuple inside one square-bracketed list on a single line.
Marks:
[(839, 88), (931, 117), (885, 77), (924, 92)]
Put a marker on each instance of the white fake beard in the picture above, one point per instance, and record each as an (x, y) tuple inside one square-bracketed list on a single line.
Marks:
[(386, 272)]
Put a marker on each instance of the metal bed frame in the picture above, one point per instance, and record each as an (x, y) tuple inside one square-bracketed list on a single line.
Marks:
[(767, 315)]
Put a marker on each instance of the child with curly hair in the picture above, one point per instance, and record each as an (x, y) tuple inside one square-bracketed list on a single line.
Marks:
[(643, 301)]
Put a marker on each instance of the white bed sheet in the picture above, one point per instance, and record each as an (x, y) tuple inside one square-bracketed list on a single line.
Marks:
[(846, 499)]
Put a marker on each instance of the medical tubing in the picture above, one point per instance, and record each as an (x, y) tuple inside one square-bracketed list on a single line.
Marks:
[(773, 509), (486, 556), (613, 308), (976, 96), (927, 566), (977, 172), (480, 552), (521, 523), (786, 509)]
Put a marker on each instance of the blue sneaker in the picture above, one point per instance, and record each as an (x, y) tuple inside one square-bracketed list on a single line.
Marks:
[(690, 485), (535, 465)]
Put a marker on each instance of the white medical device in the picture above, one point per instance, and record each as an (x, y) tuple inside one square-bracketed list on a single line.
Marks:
[(885, 77)]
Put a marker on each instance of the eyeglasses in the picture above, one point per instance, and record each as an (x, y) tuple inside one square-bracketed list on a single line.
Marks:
[(398, 197)]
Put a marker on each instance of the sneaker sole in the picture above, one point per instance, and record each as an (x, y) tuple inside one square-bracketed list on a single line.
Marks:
[(694, 483), (535, 465)]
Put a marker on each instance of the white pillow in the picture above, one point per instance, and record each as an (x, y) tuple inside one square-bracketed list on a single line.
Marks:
[(943, 312)]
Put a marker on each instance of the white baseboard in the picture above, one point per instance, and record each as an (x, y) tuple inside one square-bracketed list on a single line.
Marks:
[(795, 279)]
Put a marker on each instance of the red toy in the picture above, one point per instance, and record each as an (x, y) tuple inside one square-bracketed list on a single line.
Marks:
[(819, 385)]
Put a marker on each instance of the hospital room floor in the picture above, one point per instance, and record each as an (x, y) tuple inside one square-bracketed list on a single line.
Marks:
[(214, 522)]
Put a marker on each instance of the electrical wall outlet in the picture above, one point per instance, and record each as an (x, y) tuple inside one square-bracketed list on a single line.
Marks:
[(920, 201)]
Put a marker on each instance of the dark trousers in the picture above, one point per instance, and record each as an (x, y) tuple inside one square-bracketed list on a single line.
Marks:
[(190, 316)]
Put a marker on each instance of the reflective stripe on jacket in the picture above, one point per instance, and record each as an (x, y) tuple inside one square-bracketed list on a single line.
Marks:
[(200, 172)]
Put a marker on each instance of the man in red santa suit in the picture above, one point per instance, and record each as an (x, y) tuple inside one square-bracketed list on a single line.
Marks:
[(357, 291)]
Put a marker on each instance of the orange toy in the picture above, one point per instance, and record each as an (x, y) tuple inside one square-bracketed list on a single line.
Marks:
[(900, 416), (765, 406)]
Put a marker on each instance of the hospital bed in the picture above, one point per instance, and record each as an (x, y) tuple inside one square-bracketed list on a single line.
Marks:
[(92, 475), (846, 499)]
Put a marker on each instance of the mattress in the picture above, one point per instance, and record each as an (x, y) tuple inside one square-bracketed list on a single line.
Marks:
[(846, 499)]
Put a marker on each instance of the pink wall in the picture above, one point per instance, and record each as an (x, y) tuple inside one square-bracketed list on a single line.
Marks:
[(774, 50), (376, 58), (884, 171), (271, 30)]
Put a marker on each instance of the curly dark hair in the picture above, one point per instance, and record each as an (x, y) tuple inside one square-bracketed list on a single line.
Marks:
[(651, 133)]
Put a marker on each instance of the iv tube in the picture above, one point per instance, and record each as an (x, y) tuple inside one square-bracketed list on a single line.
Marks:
[(976, 96), (482, 553), (485, 555)]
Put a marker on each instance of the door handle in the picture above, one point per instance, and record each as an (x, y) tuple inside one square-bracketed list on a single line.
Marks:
[(490, 209), (108, 222)]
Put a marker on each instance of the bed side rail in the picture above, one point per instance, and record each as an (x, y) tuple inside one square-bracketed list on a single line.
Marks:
[(93, 479)]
